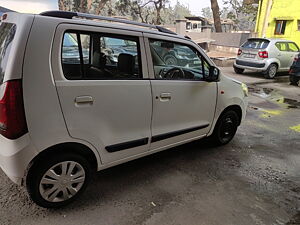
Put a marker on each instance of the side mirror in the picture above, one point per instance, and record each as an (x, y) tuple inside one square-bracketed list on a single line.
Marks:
[(213, 75)]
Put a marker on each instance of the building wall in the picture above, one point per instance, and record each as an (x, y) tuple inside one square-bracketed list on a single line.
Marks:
[(281, 9)]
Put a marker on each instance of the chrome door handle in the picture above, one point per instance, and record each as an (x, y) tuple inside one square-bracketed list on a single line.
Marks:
[(84, 100), (165, 96)]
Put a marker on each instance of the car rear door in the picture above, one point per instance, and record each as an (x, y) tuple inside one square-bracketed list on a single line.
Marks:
[(104, 97), (183, 105)]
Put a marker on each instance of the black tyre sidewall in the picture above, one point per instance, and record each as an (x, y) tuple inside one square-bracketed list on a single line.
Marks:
[(167, 57), (216, 135), (267, 72), (238, 70), (38, 169)]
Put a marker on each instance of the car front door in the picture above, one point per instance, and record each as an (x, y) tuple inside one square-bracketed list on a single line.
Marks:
[(104, 96), (183, 102), (283, 55), (293, 51)]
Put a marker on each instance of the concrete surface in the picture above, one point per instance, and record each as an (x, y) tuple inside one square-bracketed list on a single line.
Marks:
[(255, 179)]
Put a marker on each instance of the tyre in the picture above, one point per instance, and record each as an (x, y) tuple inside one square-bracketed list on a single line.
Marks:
[(225, 128), (238, 70), (57, 180), (270, 73), (170, 60), (294, 80)]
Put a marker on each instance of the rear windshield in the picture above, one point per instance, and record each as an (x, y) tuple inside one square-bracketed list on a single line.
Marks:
[(256, 44), (7, 33)]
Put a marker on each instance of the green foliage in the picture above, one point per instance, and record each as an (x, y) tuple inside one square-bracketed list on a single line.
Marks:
[(244, 15), (147, 11)]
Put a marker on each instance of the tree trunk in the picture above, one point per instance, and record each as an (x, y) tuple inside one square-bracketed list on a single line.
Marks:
[(216, 14)]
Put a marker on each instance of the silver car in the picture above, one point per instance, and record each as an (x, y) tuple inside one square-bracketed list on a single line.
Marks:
[(268, 56)]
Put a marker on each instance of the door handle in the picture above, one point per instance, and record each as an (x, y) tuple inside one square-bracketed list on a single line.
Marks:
[(165, 96), (84, 100)]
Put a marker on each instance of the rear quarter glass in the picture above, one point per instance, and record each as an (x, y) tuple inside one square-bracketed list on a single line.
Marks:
[(7, 33)]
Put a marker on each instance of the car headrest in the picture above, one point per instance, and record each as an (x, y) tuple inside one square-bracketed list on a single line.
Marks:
[(126, 63)]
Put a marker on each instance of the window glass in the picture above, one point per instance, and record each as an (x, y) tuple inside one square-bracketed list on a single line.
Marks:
[(176, 61), (7, 33), (293, 47), (282, 46), (100, 56), (85, 44), (256, 44), (280, 27)]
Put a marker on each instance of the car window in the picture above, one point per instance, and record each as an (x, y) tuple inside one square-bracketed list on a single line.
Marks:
[(256, 44), (282, 46), (292, 47), (7, 34), (100, 56), (175, 61)]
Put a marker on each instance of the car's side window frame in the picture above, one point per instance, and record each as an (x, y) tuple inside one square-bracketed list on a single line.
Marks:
[(187, 43), (293, 44), (80, 32)]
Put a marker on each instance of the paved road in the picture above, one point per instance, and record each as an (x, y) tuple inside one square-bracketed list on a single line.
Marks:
[(253, 180)]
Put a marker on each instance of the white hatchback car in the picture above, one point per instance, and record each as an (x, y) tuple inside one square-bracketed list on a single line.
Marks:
[(70, 105)]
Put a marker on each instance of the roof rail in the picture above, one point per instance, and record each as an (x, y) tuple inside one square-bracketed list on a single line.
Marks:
[(70, 15)]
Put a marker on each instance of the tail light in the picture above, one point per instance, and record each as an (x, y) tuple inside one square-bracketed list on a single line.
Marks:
[(12, 115), (263, 54), (239, 52), (291, 71), (296, 58)]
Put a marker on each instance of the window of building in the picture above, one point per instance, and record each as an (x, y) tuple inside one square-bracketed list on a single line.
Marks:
[(298, 25), (175, 61), (280, 27), (95, 56)]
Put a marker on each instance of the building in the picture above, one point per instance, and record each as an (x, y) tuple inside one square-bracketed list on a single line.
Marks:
[(279, 19), (200, 24)]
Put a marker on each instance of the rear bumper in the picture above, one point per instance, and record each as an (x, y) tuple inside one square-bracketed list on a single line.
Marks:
[(15, 156), (258, 66)]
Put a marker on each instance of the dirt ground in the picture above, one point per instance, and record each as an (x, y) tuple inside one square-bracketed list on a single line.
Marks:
[(255, 179)]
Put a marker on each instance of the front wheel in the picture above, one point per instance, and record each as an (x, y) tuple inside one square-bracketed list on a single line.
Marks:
[(225, 128), (270, 73), (57, 180)]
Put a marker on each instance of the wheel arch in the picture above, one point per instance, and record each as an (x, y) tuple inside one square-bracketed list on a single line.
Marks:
[(68, 147), (235, 108)]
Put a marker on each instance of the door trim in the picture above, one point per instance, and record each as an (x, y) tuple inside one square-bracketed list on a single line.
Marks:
[(177, 133), (127, 145)]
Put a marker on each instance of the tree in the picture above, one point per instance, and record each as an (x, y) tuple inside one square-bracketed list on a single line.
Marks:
[(207, 13), (216, 14), (242, 13), (85, 6)]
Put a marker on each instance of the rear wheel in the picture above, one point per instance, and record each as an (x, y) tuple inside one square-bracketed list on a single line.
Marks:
[(294, 80), (57, 180), (238, 70), (225, 128), (270, 73)]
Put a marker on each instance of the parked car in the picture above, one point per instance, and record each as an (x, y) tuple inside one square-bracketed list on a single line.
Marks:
[(62, 118), (295, 71), (173, 54), (268, 56)]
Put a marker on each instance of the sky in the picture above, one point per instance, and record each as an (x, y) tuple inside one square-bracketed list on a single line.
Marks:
[(37, 6)]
